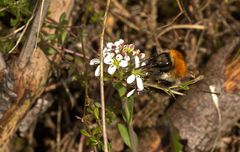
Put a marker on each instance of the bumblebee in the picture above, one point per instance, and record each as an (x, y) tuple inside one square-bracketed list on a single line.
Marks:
[(168, 67)]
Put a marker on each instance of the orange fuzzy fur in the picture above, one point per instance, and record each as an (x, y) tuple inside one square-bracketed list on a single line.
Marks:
[(180, 68)]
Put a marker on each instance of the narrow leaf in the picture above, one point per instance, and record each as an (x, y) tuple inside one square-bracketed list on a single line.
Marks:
[(85, 133), (125, 134)]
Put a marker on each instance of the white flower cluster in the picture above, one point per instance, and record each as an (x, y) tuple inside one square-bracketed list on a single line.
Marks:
[(123, 61)]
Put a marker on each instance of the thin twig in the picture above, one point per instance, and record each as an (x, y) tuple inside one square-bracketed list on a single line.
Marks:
[(127, 22), (181, 26), (3, 9), (81, 144), (75, 53), (21, 35), (59, 128), (171, 22), (14, 32), (2, 62), (206, 5), (101, 80), (39, 24), (182, 9), (72, 100)]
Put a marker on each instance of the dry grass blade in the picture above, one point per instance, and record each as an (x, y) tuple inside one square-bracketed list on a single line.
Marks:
[(181, 26)]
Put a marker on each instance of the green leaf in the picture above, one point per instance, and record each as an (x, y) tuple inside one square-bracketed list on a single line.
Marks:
[(63, 36), (14, 22), (135, 139), (121, 89), (96, 113), (51, 37), (85, 133), (184, 87), (128, 106), (175, 141), (93, 140), (51, 51), (63, 17), (126, 113), (96, 131), (125, 134)]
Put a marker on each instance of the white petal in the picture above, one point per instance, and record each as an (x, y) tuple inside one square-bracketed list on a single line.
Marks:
[(119, 57), (112, 69), (121, 41), (97, 71), (130, 93), (143, 64), (105, 50), (127, 58), (94, 61), (134, 53), (137, 62), (117, 50), (108, 60), (123, 63), (117, 43), (139, 83), (110, 55), (142, 55), (109, 45), (106, 53), (130, 79)]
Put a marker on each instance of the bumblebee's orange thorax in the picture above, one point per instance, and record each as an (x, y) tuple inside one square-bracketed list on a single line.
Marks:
[(180, 69)]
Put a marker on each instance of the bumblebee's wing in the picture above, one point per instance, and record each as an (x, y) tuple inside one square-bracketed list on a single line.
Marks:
[(161, 62)]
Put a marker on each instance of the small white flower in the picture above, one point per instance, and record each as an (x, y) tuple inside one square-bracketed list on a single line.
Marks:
[(138, 79), (139, 82)]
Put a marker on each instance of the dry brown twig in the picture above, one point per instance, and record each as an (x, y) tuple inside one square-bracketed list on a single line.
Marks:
[(104, 131), (59, 117), (181, 26), (2, 62)]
